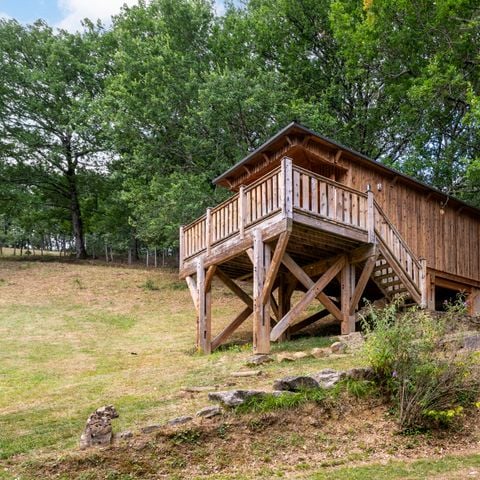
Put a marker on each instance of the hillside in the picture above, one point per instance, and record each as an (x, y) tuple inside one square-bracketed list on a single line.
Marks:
[(75, 336)]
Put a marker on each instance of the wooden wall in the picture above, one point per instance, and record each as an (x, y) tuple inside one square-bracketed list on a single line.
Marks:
[(450, 241)]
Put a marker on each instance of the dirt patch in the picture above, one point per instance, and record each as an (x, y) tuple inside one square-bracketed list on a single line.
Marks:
[(292, 442)]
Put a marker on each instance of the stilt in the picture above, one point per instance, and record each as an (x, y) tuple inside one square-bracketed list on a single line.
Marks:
[(347, 282), (204, 325), (261, 311)]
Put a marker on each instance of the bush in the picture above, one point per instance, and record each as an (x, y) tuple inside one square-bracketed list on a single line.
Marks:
[(428, 381)]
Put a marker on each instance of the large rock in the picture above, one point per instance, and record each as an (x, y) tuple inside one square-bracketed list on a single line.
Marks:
[(338, 347), (179, 420), (295, 383), (300, 355), (98, 430), (285, 357), (234, 398), (151, 428), (209, 412), (353, 341), (328, 378), (471, 342), (360, 373), (320, 352), (256, 360)]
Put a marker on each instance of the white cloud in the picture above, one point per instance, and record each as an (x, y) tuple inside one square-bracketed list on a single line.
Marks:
[(77, 10)]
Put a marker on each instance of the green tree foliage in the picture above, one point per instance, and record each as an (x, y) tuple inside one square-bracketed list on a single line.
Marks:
[(50, 135), (176, 94)]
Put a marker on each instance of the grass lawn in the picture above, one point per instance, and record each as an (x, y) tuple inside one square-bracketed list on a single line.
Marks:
[(75, 336)]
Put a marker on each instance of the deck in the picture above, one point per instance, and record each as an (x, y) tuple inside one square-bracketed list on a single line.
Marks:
[(318, 232)]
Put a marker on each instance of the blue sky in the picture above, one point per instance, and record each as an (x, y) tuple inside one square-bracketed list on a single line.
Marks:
[(66, 13), (27, 11)]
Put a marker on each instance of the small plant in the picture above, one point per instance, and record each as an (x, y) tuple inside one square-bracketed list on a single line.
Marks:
[(150, 284), (425, 380), (78, 283), (191, 435)]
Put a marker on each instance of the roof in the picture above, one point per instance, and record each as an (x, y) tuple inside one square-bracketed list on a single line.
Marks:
[(297, 127)]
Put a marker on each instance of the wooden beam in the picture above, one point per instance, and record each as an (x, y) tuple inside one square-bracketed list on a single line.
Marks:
[(209, 276), (308, 321), (312, 293), (370, 217), (228, 282), (363, 253), (275, 265), (261, 310), (307, 282), (362, 283), (231, 327), (204, 323), (274, 306), (192, 286), (347, 282)]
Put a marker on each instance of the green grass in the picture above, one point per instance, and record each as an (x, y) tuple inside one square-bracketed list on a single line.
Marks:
[(74, 337), (416, 470)]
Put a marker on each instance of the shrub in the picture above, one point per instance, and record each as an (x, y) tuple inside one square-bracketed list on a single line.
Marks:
[(429, 383)]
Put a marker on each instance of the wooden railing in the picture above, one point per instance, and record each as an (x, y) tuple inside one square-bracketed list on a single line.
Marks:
[(326, 198), (397, 246), (252, 204)]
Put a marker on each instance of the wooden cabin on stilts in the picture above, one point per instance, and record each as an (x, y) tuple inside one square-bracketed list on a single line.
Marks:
[(307, 214)]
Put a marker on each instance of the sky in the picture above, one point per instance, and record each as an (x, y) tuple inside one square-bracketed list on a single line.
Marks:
[(65, 14)]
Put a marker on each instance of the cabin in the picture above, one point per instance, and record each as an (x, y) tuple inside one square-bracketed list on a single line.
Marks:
[(307, 214)]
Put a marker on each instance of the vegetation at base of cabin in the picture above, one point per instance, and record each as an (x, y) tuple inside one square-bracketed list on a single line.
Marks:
[(109, 137), (431, 381)]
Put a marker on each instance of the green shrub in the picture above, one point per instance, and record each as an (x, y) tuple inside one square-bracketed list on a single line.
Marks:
[(150, 284), (428, 381)]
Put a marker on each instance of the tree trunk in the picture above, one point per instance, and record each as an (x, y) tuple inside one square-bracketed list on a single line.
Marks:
[(77, 223)]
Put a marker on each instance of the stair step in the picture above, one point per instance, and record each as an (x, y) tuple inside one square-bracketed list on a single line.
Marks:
[(383, 277)]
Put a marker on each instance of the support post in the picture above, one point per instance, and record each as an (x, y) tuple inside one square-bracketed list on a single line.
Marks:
[(347, 282), (242, 211), (370, 217), (204, 325), (261, 312), (423, 283)]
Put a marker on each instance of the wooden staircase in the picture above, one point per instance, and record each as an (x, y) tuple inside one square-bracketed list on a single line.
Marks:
[(397, 271)]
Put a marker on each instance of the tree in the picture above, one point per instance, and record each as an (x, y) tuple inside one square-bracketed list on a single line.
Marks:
[(50, 128)]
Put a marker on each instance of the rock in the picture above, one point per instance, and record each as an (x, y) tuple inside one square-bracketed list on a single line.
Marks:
[(471, 342), (300, 355), (327, 378), (179, 420), (320, 352), (234, 398), (151, 428), (360, 373), (98, 430), (124, 435), (354, 340), (295, 383), (256, 360), (285, 357), (248, 373), (209, 412), (338, 347)]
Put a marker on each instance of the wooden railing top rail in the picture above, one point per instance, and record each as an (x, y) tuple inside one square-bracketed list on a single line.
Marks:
[(398, 234), (197, 220), (329, 181)]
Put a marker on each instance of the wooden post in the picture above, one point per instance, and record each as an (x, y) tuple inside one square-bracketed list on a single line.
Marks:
[(181, 248), (423, 283), (208, 228), (287, 187), (370, 217), (261, 314), (204, 331), (284, 304), (347, 282), (242, 211)]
